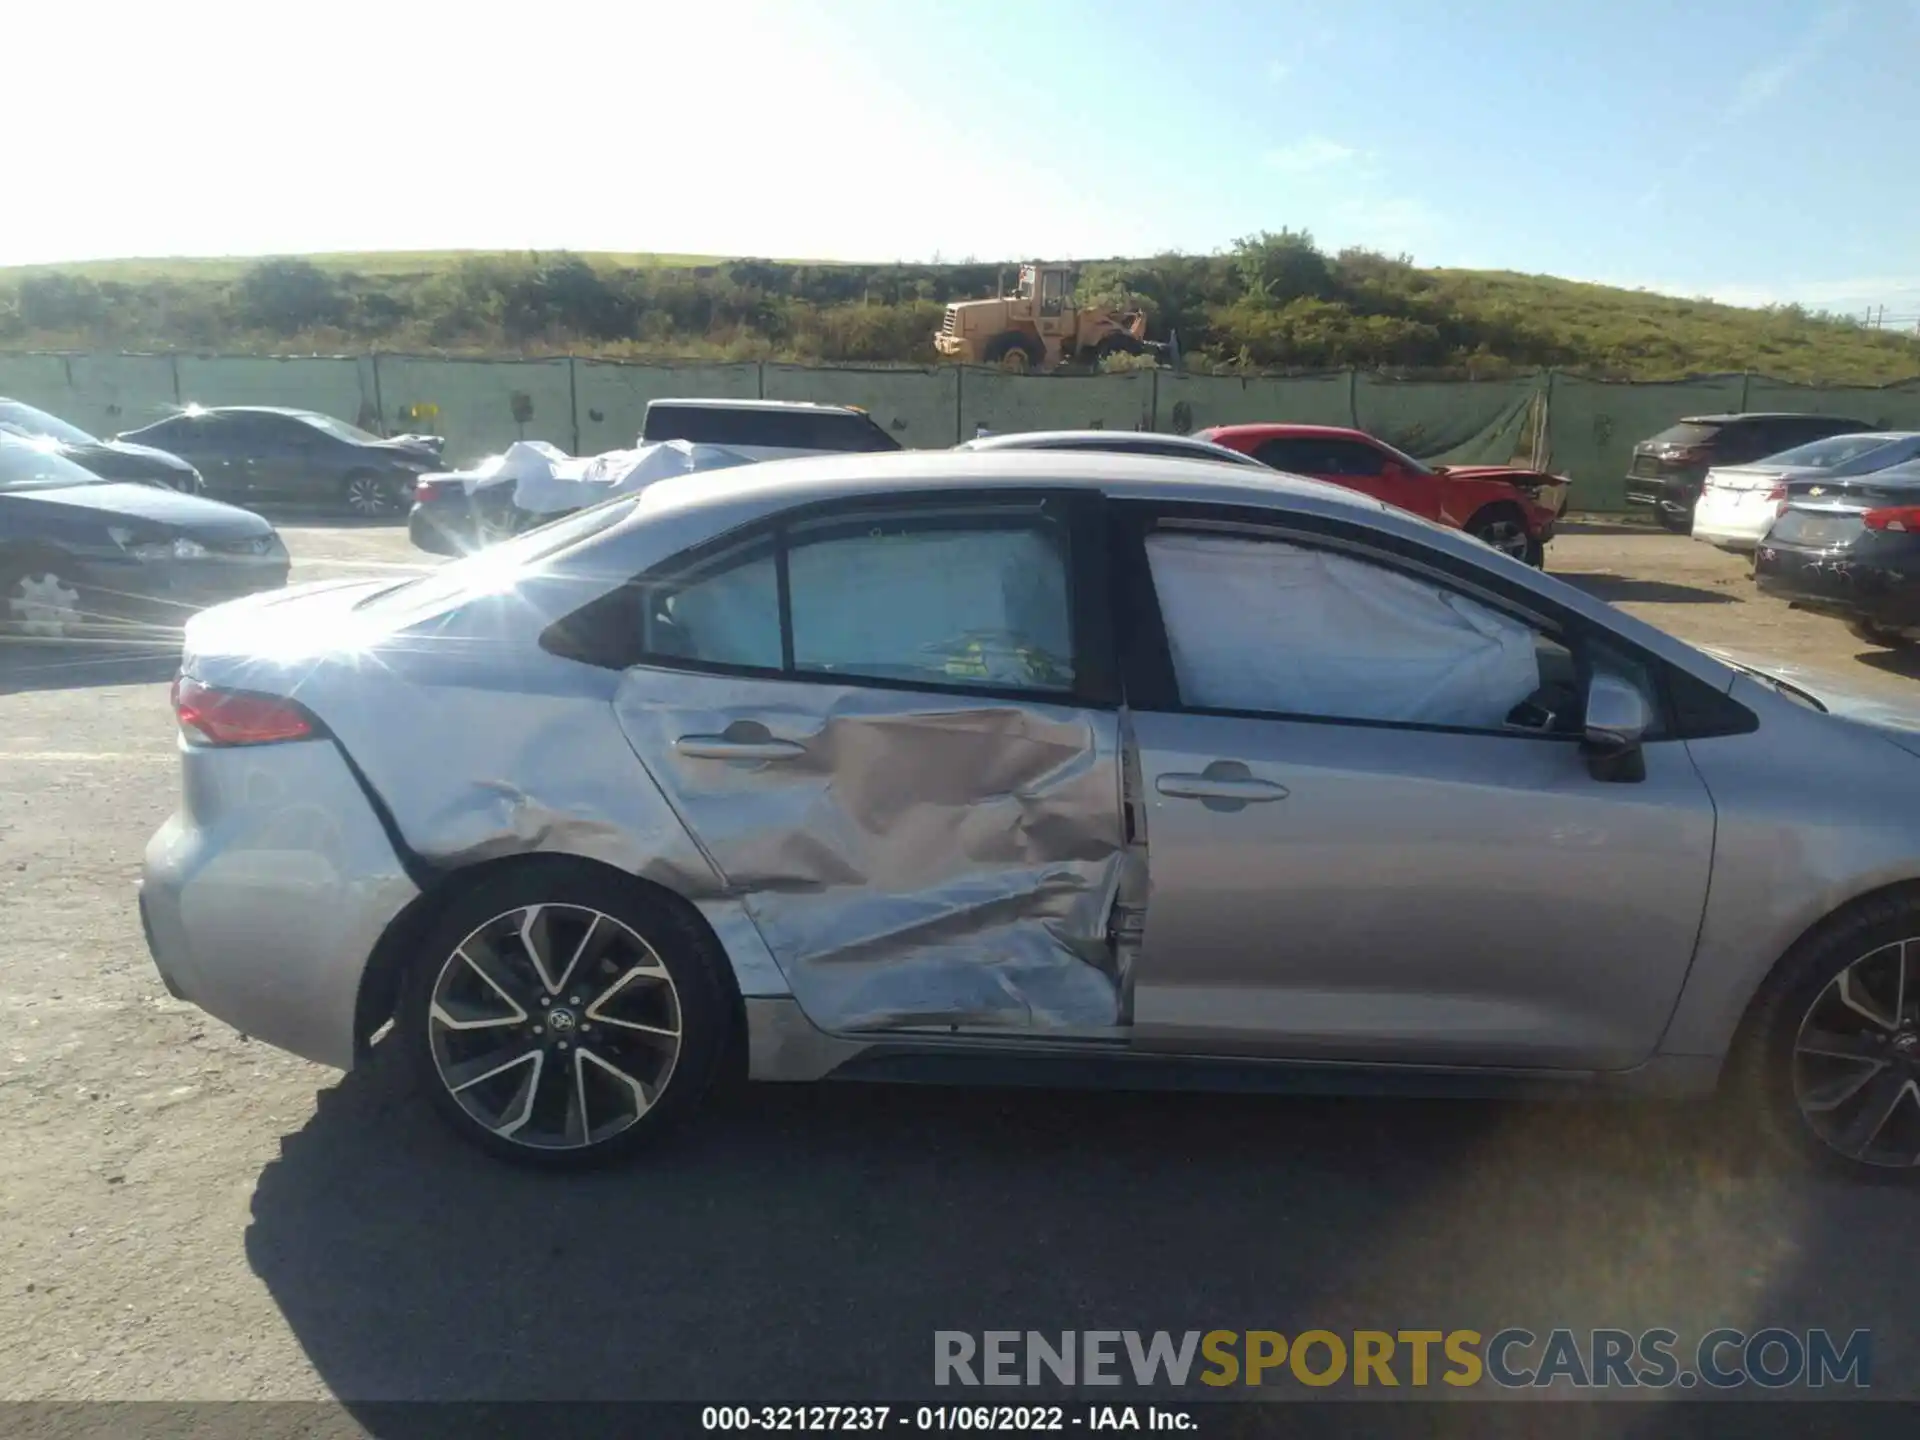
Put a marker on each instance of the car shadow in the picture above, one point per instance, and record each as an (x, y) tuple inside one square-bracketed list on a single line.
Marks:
[(805, 1242), (28, 665), (1606, 527), (1605, 585), (1904, 662)]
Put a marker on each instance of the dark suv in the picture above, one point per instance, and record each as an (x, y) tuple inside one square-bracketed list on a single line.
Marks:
[(1667, 470)]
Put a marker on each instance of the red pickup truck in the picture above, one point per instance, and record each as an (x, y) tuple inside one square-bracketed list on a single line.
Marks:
[(1512, 509)]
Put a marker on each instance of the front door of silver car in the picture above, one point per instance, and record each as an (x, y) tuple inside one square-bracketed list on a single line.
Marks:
[(1376, 828), (884, 726)]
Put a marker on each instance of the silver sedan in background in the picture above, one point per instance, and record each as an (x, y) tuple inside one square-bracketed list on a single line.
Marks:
[(1052, 767)]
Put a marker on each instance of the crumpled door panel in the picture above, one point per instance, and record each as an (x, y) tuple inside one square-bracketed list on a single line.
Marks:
[(911, 859)]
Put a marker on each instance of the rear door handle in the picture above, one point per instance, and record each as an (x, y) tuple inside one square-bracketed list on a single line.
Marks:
[(1245, 790), (719, 747)]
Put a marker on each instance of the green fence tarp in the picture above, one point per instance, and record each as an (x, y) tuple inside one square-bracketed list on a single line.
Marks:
[(612, 396), (1007, 403), (341, 386), (919, 408), (1593, 425), (1889, 407), (38, 380), (482, 406), (589, 406), (1194, 402), (1467, 422), (111, 393)]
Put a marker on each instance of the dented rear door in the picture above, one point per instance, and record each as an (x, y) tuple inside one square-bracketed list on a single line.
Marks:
[(886, 728)]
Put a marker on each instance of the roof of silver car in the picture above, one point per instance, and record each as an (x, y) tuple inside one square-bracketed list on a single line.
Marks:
[(826, 477)]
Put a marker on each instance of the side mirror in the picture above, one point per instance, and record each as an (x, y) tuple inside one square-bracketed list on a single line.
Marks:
[(1616, 722)]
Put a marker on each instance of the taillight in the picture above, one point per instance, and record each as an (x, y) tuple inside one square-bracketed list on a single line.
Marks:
[(225, 717), (1903, 518), (1778, 495), (425, 489)]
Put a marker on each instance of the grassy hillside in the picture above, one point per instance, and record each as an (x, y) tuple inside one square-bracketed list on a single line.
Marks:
[(1270, 302)]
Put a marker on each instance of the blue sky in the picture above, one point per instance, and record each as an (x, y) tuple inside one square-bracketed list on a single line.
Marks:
[(1753, 150)]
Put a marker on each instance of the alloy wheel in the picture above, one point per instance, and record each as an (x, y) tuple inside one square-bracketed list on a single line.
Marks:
[(554, 1026), (367, 495), (1507, 535), (1856, 1059), (43, 606)]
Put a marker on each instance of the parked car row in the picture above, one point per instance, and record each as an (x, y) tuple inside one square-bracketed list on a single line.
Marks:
[(1830, 521), (1511, 508)]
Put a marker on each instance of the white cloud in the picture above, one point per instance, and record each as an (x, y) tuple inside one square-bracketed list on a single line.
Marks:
[(1315, 152)]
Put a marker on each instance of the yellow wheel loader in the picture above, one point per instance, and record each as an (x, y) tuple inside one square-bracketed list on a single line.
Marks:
[(1035, 326)]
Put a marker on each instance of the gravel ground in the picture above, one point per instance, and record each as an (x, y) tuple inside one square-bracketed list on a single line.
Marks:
[(187, 1215)]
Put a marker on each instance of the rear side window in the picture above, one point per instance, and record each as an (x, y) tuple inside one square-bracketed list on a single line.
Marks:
[(839, 431), (960, 599), (1686, 433), (1305, 455)]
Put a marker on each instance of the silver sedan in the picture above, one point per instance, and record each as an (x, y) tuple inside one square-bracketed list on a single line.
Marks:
[(1042, 767)]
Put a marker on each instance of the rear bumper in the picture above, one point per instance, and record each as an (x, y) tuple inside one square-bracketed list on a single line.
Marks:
[(1877, 580), (263, 897), (1673, 493), (1733, 519), (441, 529)]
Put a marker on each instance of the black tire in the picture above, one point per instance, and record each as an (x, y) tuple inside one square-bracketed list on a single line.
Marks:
[(368, 495), (1680, 522), (1015, 351), (701, 1010), (1771, 1068)]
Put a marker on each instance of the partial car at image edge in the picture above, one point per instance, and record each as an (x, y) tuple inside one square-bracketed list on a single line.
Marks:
[(81, 555)]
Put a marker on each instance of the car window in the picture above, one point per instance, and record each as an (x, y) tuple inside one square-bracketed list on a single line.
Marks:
[(723, 611), (1834, 450), (942, 600), (1284, 453), (1273, 627), (961, 598), (839, 431), (1314, 455), (29, 420), (26, 466), (1687, 432)]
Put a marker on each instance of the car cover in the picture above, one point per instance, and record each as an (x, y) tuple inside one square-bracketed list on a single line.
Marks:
[(548, 481)]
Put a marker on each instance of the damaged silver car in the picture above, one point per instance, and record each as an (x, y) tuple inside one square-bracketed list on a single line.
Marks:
[(1076, 768)]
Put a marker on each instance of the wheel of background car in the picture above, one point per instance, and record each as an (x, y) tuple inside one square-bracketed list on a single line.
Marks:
[(1680, 523), (562, 1015), (38, 602), (369, 495), (1829, 1062), (1504, 528)]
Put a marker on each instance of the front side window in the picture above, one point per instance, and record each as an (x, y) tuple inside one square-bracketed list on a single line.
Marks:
[(1273, 627), (946, 599)]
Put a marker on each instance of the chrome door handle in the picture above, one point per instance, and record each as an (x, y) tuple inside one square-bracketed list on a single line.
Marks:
[(1246, 790), (719, 747)]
